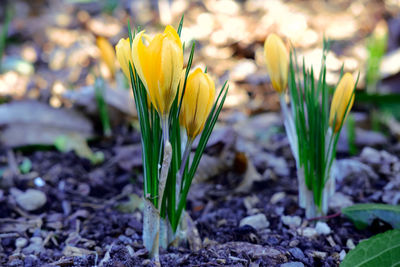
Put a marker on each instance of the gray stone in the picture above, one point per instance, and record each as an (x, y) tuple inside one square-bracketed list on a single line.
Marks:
[(293, 264), (342, 254), (339, 201), (277, 197), (350, 244), (31, 200), (319, 254), (349, 168), (369, 138), (21, 242), (297, 253), (258, 221), (308, 232), (322, 228), (291, 221), (36, 240), (35, 246), (124, 239)]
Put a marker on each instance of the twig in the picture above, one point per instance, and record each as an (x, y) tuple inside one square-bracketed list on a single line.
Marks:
[(12, 162), (327, 217)]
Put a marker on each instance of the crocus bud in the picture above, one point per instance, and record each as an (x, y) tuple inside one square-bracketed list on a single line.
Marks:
[(159, 65), (197, 102), (124, 56), (342, 101), (107, 53), (277, 59)]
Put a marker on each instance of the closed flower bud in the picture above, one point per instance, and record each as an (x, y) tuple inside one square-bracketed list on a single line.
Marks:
[(197, 102), (159, 65), (124, 56), (277, 60), (107, 53), (342, 101)]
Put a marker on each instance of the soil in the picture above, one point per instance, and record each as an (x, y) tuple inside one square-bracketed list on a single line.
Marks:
[(81, 225)]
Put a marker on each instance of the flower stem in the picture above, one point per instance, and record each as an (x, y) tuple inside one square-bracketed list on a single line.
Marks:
[(185, 157), (165, 128)]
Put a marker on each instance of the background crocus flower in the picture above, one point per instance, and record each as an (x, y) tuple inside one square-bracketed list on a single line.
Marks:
[(277, 60), (107, 53), (197, 102), (159, 65), (124, 55), (342, 102)]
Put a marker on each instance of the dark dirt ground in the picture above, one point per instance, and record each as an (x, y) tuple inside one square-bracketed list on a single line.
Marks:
[(80, 222)]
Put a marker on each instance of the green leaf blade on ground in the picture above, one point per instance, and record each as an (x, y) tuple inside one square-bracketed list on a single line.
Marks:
[(380, 250), (363, 215)]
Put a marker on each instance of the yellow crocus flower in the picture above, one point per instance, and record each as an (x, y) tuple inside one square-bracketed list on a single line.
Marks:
[(107, 53), (343, 99), (197, 102), (277, 60), (159, 65), (124, 56)]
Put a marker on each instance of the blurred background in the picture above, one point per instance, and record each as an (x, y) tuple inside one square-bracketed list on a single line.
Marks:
[(49, 52), (61, 53)]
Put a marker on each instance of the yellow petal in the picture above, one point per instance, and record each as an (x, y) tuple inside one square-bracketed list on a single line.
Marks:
[(159, 66), (197, 102), (342, 101), (124, 55), (107, 53), (138, 48), (277, 61)]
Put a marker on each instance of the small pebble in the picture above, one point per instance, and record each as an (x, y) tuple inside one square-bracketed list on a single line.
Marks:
[(294, 243), (16, 263), (35, 246), (39, 182), (129, 231), (322, 228), (291, 221), (131, 251), (258, 221), (277, 197), (297, 253), (146, 262), (319, 254), (342, 255), (125, 239), (308, 232), (31, 200), (36, 240), (293, 264), (21, 242), (331, 241), (350, 244)]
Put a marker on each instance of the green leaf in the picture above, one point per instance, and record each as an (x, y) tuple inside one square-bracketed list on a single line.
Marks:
[(130, 206), (363, 215), (25, 166), (78, 144), (380, 250)]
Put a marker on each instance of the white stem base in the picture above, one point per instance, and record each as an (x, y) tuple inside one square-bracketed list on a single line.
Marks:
[(151, 229), (306, 196)]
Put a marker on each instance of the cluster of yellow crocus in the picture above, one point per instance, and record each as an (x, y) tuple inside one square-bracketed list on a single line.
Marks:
[(277, 61), (158, 62)]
